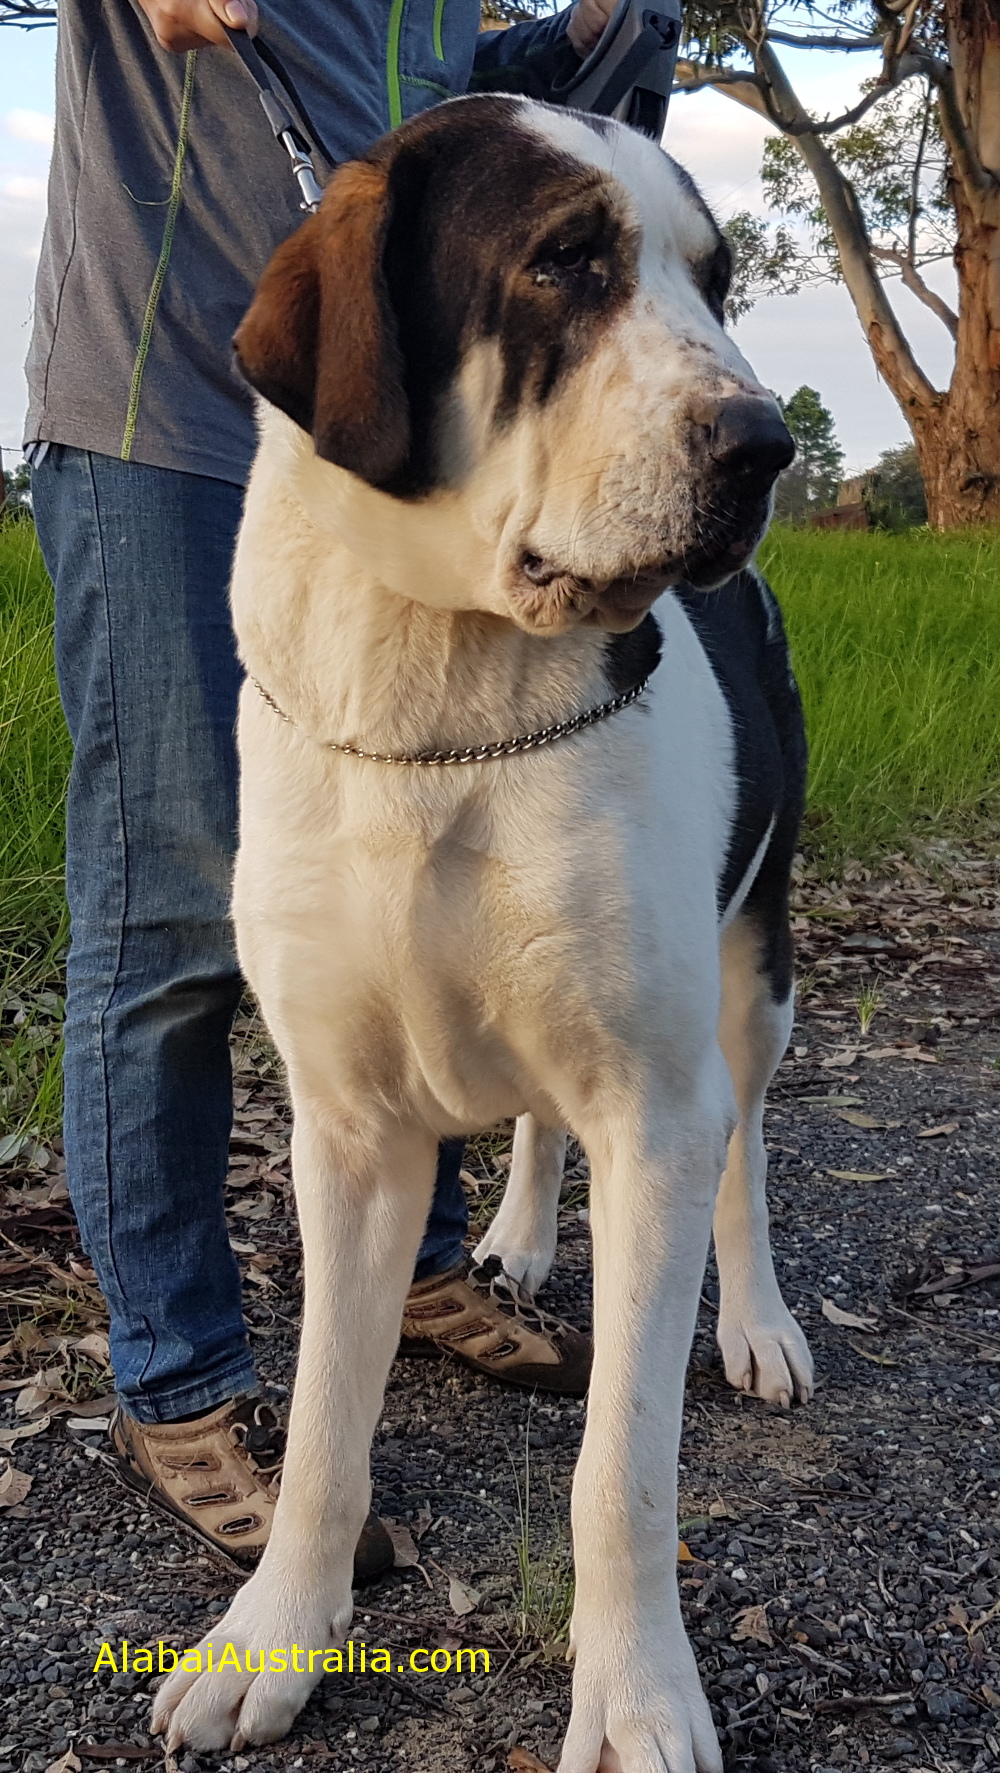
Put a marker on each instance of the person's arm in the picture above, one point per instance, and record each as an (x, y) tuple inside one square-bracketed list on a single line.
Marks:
[(195, 24), (534, 56)]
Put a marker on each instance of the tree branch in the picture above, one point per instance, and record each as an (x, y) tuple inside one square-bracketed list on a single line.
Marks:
[(772, 95), (692, 77), (914, 282), (969, 169), (27, 13), (841, 44)]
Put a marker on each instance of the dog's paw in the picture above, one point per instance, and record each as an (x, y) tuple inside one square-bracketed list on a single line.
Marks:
[(266, 1658), (765, 1352), (631, 1719), (527, 1260)]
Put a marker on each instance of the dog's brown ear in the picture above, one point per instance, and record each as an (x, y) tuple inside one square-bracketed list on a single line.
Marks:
[(277, 338), (320, 338)]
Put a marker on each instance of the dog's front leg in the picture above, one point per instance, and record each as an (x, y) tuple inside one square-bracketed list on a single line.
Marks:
[(638, 1704), (362, 1214), (524, 1232)]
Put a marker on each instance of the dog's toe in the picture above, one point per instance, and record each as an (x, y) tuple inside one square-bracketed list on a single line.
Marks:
[(253, 1674), (655, 1720), (766, 1354)]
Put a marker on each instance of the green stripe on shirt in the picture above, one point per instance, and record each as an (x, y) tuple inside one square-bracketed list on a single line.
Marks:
[(166, 247), (392, 80)]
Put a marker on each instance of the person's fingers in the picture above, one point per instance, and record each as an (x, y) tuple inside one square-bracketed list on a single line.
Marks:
[(180, 25), (586, 24), (239, 15)]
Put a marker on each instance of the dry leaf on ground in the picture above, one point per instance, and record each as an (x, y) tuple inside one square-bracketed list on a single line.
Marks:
[(861, 1175), (848, 1320), (117, 1751), (521, 1760), (846, 1056), (8, 1436), (67, 1763), (752, 1626), (880, 1360), (950, 1126), (96, 1345), (869, 1122), (903, 1053), (14, 1486), (31, 1398), (405, 1555), (461, 1600), (95, 1406)]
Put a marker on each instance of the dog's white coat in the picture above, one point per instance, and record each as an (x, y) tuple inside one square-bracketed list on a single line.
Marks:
[(437, 949)]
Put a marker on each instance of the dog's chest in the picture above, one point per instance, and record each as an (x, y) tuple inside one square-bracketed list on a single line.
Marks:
[(551, 895)]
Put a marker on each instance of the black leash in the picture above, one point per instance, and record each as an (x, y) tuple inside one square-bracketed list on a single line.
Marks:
[(629, 76), (285, 113)]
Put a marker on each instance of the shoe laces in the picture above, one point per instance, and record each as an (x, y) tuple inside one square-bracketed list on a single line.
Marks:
[(257, 1431), (491, 1277)]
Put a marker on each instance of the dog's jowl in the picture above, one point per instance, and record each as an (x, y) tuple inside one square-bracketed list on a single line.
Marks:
[(500, 420)]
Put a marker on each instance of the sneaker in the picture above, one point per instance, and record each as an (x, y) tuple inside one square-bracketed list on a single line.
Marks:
[(220, 1475), (483, 1316)]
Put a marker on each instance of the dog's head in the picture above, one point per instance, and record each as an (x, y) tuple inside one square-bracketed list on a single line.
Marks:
[(503, 332)]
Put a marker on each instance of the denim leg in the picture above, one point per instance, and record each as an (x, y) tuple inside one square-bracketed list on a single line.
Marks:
[(148, 673), (448, 1221), (140, 559)]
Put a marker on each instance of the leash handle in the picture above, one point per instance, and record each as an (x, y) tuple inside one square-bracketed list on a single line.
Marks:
[(630, 74)]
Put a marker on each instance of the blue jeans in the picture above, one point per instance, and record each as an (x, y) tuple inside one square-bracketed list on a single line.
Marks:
[(149, 678)]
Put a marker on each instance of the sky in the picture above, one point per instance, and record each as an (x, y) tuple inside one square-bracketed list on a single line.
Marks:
[(812, 338)]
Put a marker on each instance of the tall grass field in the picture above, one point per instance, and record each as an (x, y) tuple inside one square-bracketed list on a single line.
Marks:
[(896, 643)]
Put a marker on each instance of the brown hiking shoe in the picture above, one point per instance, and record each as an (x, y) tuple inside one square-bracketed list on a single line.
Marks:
[(485, 1318), (220, 1475)]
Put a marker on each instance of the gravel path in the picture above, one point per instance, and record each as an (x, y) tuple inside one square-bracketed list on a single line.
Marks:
[(842, 1582)]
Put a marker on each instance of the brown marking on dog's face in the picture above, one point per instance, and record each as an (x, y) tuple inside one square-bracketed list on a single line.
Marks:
[(506, 313)]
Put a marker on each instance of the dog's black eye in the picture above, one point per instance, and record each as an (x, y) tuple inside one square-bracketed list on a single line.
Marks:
[(558, 261)]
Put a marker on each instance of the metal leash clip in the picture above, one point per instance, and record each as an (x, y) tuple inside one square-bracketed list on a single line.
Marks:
[(258, 60)]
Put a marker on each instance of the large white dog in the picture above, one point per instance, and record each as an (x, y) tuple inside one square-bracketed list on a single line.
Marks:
[(500, 419)]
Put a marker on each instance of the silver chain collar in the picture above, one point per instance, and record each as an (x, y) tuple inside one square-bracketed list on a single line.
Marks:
[(545, 735)]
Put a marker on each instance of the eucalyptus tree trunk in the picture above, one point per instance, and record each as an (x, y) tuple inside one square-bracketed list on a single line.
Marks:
[(956, 430), (958, 440)]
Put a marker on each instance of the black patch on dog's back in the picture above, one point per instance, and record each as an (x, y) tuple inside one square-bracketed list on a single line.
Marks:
[(741, 630)]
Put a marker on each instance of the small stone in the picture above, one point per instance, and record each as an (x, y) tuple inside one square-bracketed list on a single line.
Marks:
[(369, 1725), (938, 1706)]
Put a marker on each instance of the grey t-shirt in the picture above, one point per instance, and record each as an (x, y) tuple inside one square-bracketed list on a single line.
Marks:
[(168, 195)]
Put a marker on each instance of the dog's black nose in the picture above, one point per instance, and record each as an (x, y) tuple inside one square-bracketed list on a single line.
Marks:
[(750, 438)]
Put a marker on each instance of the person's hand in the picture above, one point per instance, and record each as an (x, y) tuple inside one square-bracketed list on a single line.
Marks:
[(195, 24), (586, 23)]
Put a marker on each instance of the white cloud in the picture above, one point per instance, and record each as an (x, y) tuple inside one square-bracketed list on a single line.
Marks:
[(720, 144), (20, 231), (29, 126), (24, 190)]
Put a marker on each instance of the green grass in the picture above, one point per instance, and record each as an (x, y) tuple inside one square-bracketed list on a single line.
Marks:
[(896, 642), (34, 760)]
